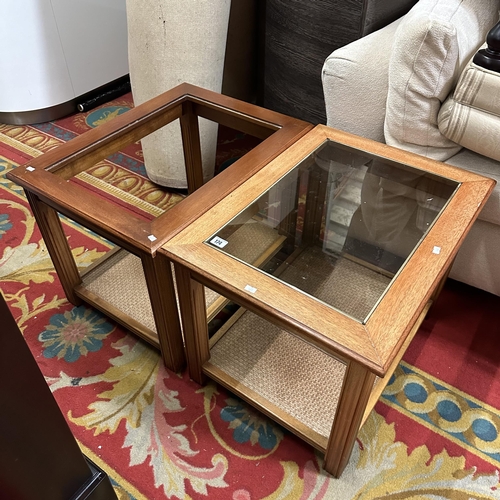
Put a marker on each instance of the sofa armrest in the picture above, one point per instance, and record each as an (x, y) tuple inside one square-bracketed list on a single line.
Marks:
[(355, 84)]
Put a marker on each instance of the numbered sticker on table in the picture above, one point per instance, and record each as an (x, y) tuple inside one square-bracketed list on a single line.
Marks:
[(218, 242)]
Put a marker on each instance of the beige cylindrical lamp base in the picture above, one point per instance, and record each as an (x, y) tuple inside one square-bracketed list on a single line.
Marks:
[(171, 42)]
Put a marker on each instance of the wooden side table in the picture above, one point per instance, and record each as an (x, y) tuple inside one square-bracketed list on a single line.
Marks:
[(136, 274), (320, 332)]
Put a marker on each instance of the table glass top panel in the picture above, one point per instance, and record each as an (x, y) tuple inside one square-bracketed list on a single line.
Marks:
[(123, 179), (339, 226)]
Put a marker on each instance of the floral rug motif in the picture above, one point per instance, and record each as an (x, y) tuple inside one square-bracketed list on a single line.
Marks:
[(434, 433)]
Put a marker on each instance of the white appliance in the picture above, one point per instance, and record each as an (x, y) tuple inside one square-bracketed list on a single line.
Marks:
[(53, 52)]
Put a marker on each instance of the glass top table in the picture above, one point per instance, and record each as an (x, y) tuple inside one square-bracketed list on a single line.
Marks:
[(132, 283), (347, 264), (334, 252)]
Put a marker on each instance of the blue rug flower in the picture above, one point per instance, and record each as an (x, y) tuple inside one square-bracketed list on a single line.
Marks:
[(250, 426), (5, 224), (74, 333)]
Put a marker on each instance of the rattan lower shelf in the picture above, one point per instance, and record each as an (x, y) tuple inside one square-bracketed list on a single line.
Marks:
[(116, 285), (285, 377)]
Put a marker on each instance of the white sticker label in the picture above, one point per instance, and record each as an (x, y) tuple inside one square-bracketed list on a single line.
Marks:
[(436, 250), (30, 169), (250, 289), (218, 242), (152, 237)]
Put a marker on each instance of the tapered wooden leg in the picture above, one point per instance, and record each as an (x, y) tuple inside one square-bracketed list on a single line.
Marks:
[(194, 322), (358, 383), (159, 279), (57, 245), (192, 148)]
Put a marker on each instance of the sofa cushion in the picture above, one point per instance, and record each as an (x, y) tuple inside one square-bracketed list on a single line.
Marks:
[(482, 165), (432, 44), (471, 115)]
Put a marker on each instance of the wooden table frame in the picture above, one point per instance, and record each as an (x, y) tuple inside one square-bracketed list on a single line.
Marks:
[(44, 180), (370, 351)]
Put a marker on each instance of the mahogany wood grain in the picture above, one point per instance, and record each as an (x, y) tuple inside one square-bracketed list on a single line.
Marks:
[(160, 283), (57, 245), (194, 322), (153, 113), (122, 227), (255, 128), (183, 214), (92, 146), (46, 180), (113, 144), (242, 194)]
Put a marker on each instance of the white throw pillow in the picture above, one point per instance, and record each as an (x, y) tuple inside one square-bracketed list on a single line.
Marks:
[(432, 44)]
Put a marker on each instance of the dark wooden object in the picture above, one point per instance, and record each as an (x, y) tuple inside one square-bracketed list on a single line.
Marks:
[(300, 34), (39, 457), (489, 58)]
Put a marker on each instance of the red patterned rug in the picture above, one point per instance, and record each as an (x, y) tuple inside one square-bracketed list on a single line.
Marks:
[(433, 434)]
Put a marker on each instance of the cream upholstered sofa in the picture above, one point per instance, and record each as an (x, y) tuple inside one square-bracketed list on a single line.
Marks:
[(399, 85)]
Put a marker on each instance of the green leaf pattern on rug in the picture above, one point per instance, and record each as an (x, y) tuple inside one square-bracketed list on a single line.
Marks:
[(141, 398)]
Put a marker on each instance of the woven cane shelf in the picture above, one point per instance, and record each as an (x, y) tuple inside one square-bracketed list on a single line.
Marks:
[(272, 368), (346, 285), (116, 284)]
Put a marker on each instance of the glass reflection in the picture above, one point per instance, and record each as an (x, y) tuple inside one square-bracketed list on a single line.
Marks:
[(338, 226)]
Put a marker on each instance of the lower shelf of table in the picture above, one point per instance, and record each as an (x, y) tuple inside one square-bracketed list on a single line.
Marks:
[(116, 285), (291, 381)]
